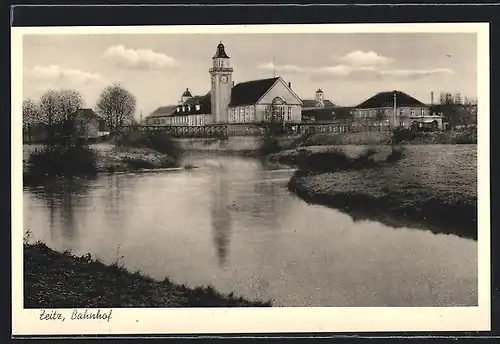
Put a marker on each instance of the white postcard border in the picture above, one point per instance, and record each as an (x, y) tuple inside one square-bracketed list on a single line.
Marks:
[(260, 320)]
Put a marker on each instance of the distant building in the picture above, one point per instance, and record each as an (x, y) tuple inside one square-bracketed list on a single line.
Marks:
[(84, 123), (396, 109), (88, 124), (318, 102), (253, 101)]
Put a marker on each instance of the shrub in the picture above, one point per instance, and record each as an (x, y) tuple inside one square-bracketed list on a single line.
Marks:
[(401, 135), (268, 145), (395, 155), (63, 160), (329, 161), (157, 141)]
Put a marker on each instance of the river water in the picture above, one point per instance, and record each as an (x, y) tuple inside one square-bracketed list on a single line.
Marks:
[(232, 224)]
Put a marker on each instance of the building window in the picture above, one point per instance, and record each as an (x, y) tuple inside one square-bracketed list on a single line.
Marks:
[(252, 114), (422, 112), (247, 115), (289, 110), (179, 109), (242, 115), (197, 107), (386, 112), (401, 112), (412, 112)]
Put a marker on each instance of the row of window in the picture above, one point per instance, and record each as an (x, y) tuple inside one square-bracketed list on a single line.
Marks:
[(385, 112), (277, 113), (187, 108), (242, 114), (179, 120)]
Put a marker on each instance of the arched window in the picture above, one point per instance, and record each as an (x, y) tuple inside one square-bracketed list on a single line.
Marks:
[(277, 110)]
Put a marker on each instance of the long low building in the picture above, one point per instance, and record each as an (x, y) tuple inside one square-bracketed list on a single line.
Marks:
[(396, 109)]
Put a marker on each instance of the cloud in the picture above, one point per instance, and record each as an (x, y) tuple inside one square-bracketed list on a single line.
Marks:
[(138, 58), (57, 73), (369, 73), (287, 68), (361, 58), (415, 73)]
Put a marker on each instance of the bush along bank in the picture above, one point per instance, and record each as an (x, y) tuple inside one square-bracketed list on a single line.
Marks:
[(77, 159), (54, 279), (367, 189)]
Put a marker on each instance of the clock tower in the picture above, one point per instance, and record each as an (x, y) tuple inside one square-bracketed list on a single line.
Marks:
[(221, 79)]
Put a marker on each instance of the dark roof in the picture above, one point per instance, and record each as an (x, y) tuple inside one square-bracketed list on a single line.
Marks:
[(319, 90), (194, 100), (313, 103), (187, 93), (327, 114), (162, 111), (220, 53), (85, 113), (328, 103), (247, 93), (309, 103), (386, 99), (204, 102)]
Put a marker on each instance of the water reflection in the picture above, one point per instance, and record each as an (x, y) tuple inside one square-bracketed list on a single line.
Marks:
[(232, 223), (62, 197), (220, 214)]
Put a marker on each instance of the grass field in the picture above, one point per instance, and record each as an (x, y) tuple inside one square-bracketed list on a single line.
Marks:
[(433, 187)]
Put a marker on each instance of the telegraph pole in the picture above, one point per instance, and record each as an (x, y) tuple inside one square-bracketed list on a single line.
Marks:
[(395, 106)]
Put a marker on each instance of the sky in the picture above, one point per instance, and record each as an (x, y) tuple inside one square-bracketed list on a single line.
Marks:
[(157, 68)]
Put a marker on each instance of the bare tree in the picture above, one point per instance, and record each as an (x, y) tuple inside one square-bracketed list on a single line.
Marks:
[(30, 117), (58, 108), (116, 106)]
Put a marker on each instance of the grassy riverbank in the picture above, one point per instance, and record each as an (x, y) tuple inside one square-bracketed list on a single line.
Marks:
[(423, 188), (54, 279)]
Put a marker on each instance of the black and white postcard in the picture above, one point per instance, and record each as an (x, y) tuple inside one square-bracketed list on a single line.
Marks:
[(250, 179)]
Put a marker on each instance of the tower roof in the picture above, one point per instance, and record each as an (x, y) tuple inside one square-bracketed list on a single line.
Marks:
[(319, 90), (187, 93), (220, 53)]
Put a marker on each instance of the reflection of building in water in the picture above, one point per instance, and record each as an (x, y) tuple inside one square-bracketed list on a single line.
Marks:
[(220, 216)]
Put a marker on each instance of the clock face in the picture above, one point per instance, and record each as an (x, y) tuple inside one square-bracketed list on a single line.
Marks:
[(223, 79)]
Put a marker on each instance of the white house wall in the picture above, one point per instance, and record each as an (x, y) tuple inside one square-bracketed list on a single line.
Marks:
[(279, 90)]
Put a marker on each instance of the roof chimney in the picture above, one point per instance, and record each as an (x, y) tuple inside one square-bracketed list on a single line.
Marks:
[(233, 83), (289, 85), (432, 98)]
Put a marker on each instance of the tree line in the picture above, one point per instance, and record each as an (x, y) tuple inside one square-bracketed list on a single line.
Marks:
[(458, 110), (58, 111)]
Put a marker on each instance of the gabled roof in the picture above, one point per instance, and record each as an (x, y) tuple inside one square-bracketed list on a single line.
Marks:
[(386, 99), (248, 93), (162, 111), (86, 114), (319, 90)]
